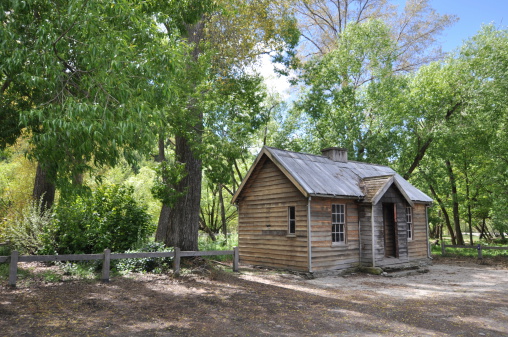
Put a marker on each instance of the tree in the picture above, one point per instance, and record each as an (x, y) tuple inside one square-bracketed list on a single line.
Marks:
[(79, 77), (355, 50), (413, 30), (344, 87), (220, 47), (461, 112)]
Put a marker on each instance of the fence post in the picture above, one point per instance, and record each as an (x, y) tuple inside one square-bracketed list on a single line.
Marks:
[(176, 262), (479, 247), (442, 248), (106, 265), (13, 268), (236, 259)]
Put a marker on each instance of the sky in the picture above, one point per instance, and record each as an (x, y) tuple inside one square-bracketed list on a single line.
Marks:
[(471, 14)]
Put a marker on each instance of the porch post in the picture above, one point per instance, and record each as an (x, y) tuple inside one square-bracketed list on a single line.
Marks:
[(309, 236), (373, 238)]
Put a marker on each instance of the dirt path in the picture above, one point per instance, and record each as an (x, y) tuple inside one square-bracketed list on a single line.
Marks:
[(459, 299)]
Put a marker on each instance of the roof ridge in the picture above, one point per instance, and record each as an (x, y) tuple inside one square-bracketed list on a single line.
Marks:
[(321, 156)]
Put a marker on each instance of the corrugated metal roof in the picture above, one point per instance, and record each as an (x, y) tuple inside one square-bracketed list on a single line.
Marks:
[(318, 175)]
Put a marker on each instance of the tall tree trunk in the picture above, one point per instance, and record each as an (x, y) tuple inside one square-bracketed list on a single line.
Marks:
[(162, 228), (420, 153), (44, 188), (468, 200), (482, 231), (223, 214), (445, 214), (455, 201), (179, 227), (183, 222)]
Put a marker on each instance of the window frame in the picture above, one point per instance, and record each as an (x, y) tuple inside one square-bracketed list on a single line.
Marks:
[(291, 221), (338, 221), (409, 222)]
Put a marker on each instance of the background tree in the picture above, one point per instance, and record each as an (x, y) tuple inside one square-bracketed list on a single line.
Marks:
[(77, 78), (414, 29)]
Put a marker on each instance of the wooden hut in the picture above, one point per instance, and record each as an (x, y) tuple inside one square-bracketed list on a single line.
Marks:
[(324, 213)]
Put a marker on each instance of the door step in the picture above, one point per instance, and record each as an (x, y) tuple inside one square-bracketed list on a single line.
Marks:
[(402, 272)]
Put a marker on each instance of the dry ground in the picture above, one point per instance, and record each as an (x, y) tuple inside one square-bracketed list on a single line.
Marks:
[(457, 297)]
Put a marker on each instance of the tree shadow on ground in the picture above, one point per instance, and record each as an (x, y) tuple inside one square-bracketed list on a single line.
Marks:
[(225, 304)]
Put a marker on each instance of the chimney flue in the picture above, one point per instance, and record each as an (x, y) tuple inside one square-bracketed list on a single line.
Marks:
[(335, 154)]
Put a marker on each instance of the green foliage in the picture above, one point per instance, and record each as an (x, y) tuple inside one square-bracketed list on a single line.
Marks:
[(211, 216), (343, 102), (146, 265), (205, 244), (109, 217), (16, 183), (82, 269), (84, 78), (140, 178), (25, 232), (169, 174), (5, 250)]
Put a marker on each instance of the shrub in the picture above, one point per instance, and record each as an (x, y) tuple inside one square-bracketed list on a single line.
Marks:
[(148, 265), (25, 231), (109, 217)]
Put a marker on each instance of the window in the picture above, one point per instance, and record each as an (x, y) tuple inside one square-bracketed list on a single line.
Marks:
[(338, 223), (291, 220), (409, 220)]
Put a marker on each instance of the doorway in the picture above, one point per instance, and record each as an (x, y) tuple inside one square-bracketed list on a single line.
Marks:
[(390, 230)]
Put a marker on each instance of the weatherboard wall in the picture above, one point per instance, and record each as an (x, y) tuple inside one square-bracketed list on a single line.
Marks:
[(263, 220), (327, 255), (418, 246)]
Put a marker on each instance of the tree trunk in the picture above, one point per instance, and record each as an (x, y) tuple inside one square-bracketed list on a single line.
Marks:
[(223, 214), (180, 228), (468, 200), (422, 148), (183, 221), (445, 214), (482, 230), (455, 201), (207, 230), (44, 188), (162, 227)]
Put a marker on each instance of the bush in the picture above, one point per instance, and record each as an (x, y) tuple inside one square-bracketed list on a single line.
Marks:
[(109, 217), (148, 265), (25, 232)]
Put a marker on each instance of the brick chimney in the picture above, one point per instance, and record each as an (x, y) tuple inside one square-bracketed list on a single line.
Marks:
[(335, 154)]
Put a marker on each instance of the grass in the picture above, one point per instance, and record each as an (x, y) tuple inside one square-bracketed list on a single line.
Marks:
[(25, 274), (471, 252)]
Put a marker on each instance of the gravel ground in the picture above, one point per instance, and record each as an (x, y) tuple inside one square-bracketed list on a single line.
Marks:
[(455, 298)]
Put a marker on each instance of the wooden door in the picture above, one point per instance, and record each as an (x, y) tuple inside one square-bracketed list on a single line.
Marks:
[(390, 229)]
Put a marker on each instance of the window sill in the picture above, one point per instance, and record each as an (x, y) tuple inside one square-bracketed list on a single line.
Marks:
[(338, 244), (291, 235)]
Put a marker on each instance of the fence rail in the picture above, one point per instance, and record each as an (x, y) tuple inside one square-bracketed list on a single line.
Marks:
[(478, 247), (107, 256)]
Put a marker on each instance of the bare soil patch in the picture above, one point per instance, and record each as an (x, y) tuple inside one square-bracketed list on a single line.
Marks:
[(457, 297)]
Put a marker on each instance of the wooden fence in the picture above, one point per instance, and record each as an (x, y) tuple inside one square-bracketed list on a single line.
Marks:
[(106, 258), (478, 247)]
